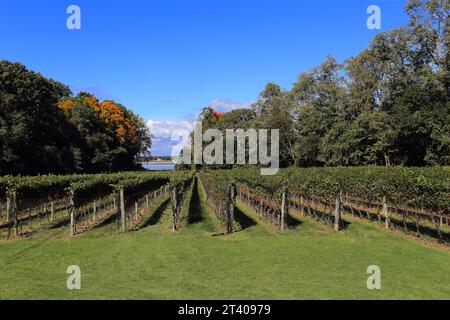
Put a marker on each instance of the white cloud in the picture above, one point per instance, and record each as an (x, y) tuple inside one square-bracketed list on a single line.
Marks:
[(226, 105), (162, 131), (165, 128)]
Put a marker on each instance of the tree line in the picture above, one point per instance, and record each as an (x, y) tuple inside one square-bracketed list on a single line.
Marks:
[(389, 105), (45, 129)]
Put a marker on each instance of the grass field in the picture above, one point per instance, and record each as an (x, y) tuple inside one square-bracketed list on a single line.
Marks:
[(257, 262)]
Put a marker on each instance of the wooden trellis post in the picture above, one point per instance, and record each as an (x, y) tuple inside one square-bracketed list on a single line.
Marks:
[(284, 210), (123, 222), (29, 219), (136, 210), (338, 212), (230, 211), (14, 211), (386, 213), (11, 212), (72, 212), (302, 205), (174, 208), (52, 210), (8, 214), (95, 211)]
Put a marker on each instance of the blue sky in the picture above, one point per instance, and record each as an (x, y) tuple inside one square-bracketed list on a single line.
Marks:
[(167, 59)]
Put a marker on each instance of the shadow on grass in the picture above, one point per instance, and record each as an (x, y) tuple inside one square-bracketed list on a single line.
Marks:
[(111, 219), (156, 216), (407, 226), (62, 223), (293, 222), (195, 210), (321, 216), (243, 220), (222, 234)]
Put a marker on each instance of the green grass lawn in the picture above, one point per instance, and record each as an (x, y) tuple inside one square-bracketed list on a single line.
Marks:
[(199, 262)]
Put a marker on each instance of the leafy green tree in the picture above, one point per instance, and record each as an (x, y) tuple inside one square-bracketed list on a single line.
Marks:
[(317, 99), (110, 135), (44, 130), (34, 135)]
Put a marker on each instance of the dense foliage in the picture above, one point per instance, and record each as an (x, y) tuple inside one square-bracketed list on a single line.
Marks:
[(218, 195), (217, 182), (389, 105), (45, 130), (85, 185), (420, 188)]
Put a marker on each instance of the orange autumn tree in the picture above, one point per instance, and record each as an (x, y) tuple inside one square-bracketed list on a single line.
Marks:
[(91, 101), (66, 106), (113, 115), (110, 136)]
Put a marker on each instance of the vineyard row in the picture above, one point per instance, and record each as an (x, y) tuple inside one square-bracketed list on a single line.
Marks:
[(84, 201), (416, 200)]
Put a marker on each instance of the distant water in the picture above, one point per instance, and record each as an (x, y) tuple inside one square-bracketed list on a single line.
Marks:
[(158, 167)]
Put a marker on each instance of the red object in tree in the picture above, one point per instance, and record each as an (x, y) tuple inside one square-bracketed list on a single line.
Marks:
[(219, 115)]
